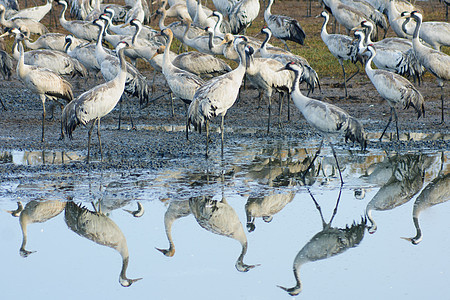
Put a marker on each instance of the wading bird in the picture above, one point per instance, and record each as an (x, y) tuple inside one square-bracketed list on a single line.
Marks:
[(438, 63), (242, 15), (395, 89), (32, 25), (96, 103), (341, 46), (216, 96), (44, 82), (283, 27), (326, 118)]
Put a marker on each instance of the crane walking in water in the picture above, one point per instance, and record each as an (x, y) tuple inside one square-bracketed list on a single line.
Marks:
[(324, 117), (95, 103)]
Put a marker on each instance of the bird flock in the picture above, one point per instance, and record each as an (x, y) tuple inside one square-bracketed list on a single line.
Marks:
[(202, 79)]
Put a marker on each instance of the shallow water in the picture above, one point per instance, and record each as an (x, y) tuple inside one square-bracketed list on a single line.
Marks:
[(260, 174)]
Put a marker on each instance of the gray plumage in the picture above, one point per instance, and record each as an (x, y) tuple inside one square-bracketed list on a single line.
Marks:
[(216, 96), (84, 53), (36, 13), (81, 29), (284, 27), (242, 15), (201, 63), (97, 227), (341, 46), (6, 65), (52, 41), (395, 89), (32, 25), (44, 82)]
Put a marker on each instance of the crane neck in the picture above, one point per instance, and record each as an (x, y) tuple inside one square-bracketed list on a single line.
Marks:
[(162, 19), (136, 34), (67, 46), (367, 34), (21, 62), (267, 12), (324, 25), (123, 65), (368, 65), (166, 59), (98, 45), (263, 46), (2, 17), (62, 18), (417, 29)]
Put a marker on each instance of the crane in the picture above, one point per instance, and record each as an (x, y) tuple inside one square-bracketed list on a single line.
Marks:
[(6, 66), (438, 63), (341, 46), (326, 118), (84, 53), (51, 40), (395, 89), (216, 96), (54, 60), (393, 54), (242, 15), (183, 84), (81, 29), (95, 103), (99, 228), (35, 212), (262, 72), (44, 82), (284, 27), (435, 34), (32, 25), (36, 13)]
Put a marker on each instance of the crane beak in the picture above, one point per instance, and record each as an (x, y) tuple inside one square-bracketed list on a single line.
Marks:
[(5, 34), (282, 69), (357, 28)]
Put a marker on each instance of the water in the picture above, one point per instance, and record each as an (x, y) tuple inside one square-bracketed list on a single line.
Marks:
[(263, 174)]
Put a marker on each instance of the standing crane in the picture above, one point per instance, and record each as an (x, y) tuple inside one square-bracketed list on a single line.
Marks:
[(283, 27), (182, 84), (341, 46), (395, 89), (81, 29), (436, 192), (329, 242), (220, 218), (262, 72), (44, 82), (36, 13), (242, 15), (326, 118), (51, 40), (435, 34), (84, 53), (216, 96), (35, 212), (99, 228), (438, 63), (95, 103), (6, 65), (32, 25)]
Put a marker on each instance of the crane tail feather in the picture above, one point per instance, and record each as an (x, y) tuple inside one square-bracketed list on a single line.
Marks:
[(69, 120), (355, 133)]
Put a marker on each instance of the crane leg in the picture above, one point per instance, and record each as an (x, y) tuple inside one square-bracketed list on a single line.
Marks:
[(89, 141), (268, 119), (171, 104), (337, 163), (120, 112), (354, 74), (99, 139), (285, 45), (442, 101), (396, 123), (207, 137), (221, 132), (389, 122), (43, 117), (345, 81)]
